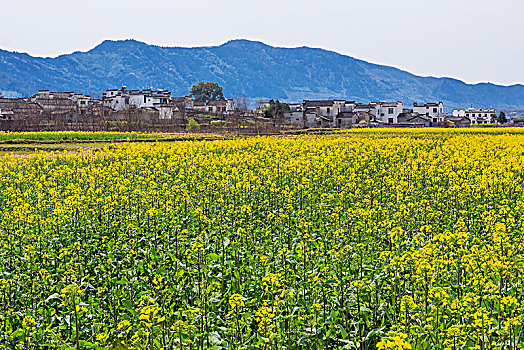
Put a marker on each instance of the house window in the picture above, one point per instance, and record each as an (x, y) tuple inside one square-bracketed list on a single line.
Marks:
[(434, 110), (126, 100), (390, 111), (328, 110), (434, 120), (82, 102), (381, 114), (145, 99), (83, 112), (390, 120)]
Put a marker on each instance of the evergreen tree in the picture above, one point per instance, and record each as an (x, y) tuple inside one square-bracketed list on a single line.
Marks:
[(502, 118), (207, 91)]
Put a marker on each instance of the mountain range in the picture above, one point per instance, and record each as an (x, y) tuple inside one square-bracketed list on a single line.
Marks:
[(242, 67)]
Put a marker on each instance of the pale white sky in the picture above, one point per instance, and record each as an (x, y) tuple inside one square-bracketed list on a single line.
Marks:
[(473, 40)]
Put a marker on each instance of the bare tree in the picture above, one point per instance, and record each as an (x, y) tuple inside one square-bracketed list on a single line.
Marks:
[(242, 102)]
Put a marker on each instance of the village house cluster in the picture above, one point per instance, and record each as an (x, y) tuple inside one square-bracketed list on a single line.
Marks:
[(342, 113), (149, 105), (162, 102), (115, 105)]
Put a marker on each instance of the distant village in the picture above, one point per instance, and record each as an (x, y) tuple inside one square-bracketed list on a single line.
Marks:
[(149, 109)]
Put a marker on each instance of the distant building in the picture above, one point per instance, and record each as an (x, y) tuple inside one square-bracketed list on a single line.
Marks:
[(295, 107), (19, 114), (383, 112), (121, 99), (324, 110), (351, 119), (517, 121), (168, 111), (298, 117), (433, 110), (183, 103), (296, 114), (388, 112), (417, 119), (215, 107), (348, 106), (262, 106), (367, 108), (66, 106), (477, 116), (458, 121)]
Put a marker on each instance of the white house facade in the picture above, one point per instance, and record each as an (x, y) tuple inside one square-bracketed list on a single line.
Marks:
[(215, 107), (433, 110), (477, 116), (325, 110), (121, 99), (387, 112)]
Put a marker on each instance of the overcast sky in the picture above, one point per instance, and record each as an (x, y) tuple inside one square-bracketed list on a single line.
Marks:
[(473, 40)]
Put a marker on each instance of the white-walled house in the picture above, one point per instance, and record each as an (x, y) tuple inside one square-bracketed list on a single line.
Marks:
[(149, 98), (167, 111), (433, 110), (368, 108), (325, 110), (215, 107), (348, 106), (295, 107), (121, 99), (384, 112), (116, 99), (298, 117), (60, 103), (301, 119), (185, 102), (388, 112), (477, 116), (82, 102)]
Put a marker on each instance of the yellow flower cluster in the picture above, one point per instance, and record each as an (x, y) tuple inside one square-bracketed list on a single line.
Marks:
[(394, 341)]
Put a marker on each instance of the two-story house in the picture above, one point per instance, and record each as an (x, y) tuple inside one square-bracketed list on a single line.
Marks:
[(433, 110), (384, 112), (122, 99), (215, 107), (477, 116)]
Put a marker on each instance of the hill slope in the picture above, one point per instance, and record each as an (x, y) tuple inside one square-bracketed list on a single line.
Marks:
[(242, 67)]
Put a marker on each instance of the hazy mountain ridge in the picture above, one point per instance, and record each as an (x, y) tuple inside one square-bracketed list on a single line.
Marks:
[(242, 67)]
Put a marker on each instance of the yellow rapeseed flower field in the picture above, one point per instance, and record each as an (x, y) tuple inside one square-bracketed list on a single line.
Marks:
[(388, 239)]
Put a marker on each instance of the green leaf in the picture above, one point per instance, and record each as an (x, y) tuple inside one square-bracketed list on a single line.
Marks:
[(213, 256), (343, 333)]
